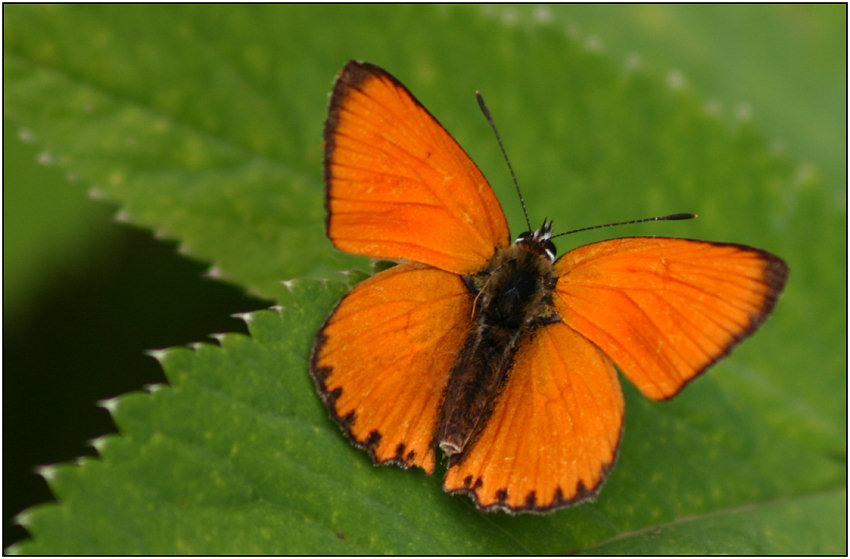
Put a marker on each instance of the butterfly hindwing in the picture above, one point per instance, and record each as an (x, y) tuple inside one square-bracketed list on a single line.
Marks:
[(554, 431), (666, 309), (398, 185), (382, 359)]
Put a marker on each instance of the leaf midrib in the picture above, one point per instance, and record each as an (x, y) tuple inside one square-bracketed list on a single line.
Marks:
[(730, 511)]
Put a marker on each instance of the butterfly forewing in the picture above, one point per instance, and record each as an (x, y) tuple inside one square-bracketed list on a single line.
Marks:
[(666, 309), (398, 185)]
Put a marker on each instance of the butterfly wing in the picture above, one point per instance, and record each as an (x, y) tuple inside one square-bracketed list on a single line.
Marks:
[(398, 185), (666, 309), (554, 430), (382, 359)]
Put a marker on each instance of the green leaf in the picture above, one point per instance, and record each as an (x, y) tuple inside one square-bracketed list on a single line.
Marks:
[(769, 528), (34, 255), (238, 457), (204, 123), (708, 42)]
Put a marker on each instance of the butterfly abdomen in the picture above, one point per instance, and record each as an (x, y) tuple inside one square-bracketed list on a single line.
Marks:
[(511, 298)]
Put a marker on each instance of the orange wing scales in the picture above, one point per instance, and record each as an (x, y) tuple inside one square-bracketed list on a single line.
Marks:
[(380, 363), (666, 309), (554, 432), (399, 186)]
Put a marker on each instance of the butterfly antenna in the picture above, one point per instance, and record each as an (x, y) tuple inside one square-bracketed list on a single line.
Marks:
[(489, 118), (671, 217)]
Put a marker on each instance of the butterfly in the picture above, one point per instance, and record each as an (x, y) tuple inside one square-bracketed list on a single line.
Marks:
[(496, 355)]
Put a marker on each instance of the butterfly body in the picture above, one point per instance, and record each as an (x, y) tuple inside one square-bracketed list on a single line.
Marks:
[(511, 298), (498, 357)]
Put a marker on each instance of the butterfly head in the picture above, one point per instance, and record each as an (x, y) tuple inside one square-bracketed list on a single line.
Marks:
[(540, 240)]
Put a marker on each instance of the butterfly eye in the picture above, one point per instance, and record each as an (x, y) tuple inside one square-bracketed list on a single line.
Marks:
[(550, 249), (541, 240)]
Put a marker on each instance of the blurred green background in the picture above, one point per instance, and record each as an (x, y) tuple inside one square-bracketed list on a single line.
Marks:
[(85, 295)]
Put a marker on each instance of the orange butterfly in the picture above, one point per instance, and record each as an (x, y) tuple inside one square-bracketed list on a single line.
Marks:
[(496, 354)]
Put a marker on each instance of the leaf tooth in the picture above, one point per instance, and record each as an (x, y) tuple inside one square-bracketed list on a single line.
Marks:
[(83, 460), (99, 443), (676, 79), (246, 317), (743, 112), (594, 44), (289, 284), (47, 471), (158, 354), (161, 234), (633, 62), (23, 518), (219, 337), (123, 216), (184, 249), (109, 404), (46, 158), (154, 387), (347, 274), (214, 272)]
